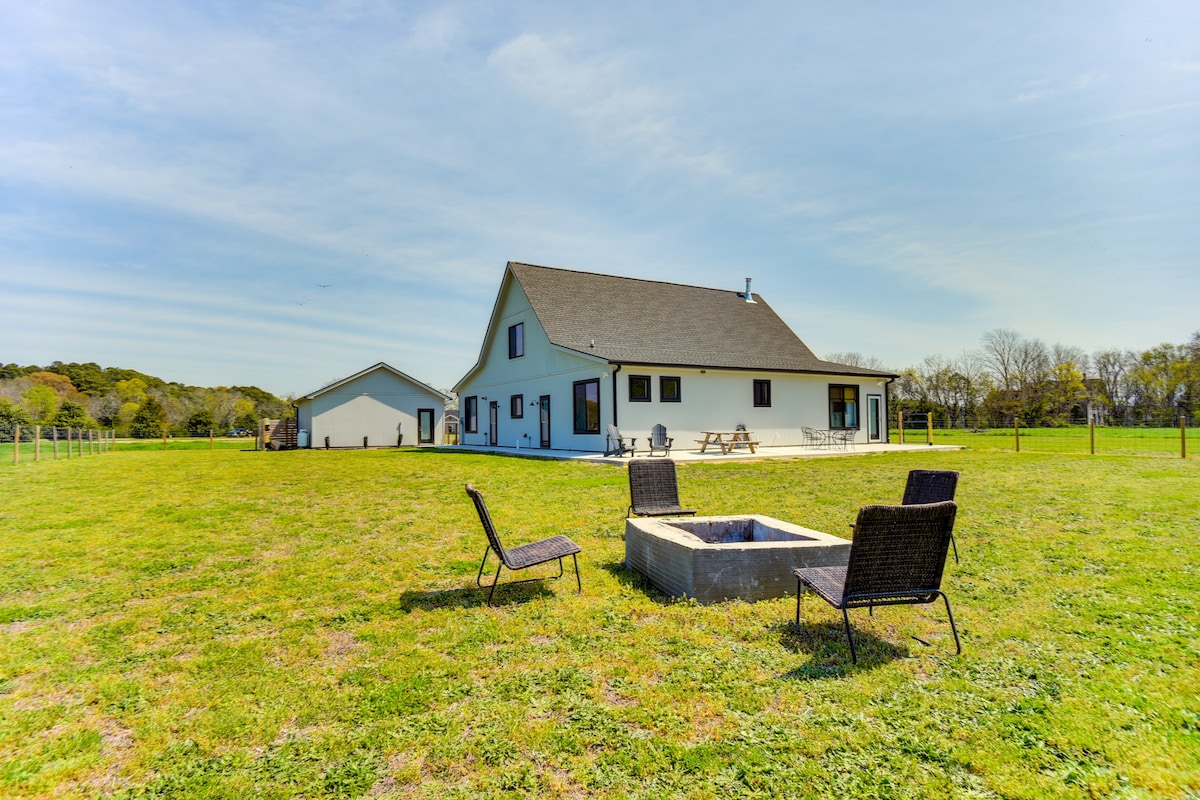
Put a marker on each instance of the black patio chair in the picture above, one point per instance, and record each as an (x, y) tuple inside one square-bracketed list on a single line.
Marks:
[(897, 558), (524, 556), (654, 490), (931, 486), (660, 441)]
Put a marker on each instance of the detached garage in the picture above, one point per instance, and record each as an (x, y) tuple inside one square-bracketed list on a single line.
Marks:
[(378, 407)]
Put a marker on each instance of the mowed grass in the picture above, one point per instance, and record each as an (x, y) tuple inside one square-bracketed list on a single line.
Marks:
[(305, 624)]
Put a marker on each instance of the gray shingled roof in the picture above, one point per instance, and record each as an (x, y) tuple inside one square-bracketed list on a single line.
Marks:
[(634, 321)]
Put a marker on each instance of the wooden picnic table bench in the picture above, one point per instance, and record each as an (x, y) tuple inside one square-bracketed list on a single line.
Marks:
[(727, 440)]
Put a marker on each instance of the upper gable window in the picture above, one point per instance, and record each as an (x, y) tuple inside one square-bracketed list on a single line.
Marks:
[(639, 388), (516, 340)]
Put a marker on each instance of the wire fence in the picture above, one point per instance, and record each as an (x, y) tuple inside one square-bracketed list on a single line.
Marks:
[(36, 442), (1175, 440)]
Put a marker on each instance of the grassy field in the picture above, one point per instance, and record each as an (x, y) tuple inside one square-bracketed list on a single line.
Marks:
[(305, 624)]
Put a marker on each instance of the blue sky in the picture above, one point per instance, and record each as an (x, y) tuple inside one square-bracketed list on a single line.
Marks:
[(284, 193)]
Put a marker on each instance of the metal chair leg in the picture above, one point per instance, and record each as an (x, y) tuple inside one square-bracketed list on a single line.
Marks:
[(850, 636), (953, 628)]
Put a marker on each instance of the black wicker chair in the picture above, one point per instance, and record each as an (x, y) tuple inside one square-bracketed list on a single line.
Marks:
[(654, 490), (931, 486), (660, 441), (897, 558), (526, 555)]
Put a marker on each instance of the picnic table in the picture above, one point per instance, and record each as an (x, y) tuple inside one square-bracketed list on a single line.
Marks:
[(727, 440)]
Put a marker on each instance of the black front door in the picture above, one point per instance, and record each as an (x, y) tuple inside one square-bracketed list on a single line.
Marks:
[(424, 426), (493, 423), (544, 420)]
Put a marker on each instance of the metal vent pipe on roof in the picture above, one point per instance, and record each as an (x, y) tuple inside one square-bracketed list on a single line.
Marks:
[(749, 297)]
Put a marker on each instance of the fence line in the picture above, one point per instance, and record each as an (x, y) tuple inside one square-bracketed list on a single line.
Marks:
[(26, 441), (1147, 440)]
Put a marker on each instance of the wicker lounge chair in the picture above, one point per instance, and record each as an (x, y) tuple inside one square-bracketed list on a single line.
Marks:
[(654, 490), (660, 441), (931, 486), (526, 555), (614, 443), (898, 555)]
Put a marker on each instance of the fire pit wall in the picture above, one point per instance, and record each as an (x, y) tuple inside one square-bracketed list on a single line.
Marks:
[(712, 559)]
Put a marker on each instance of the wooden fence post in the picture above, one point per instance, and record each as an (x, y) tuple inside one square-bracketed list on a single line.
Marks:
[(79, 442), (37, 442), (210, 439), (900, 423), (929, 428), (54, 436), (1017, 433), (1182, 436), (16, 445), (1092, 434)]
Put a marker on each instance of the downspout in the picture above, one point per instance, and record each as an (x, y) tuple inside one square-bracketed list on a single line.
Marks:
[(616, 369), (887, 409)]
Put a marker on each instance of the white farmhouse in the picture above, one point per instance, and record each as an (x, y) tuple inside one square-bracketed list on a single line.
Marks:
[(377, 407), (568, 353)]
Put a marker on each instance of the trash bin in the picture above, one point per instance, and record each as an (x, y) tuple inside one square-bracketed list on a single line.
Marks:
[(302, 439)]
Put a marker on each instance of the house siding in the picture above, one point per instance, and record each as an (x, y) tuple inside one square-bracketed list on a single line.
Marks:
[(378, 405), (712, 397), (723, 399), (543, 370)]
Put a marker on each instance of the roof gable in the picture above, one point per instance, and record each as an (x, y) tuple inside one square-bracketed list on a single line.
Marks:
[(380, 366), (635, 321)]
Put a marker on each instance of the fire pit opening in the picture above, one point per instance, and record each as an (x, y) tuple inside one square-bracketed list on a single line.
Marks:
[(738, 530), (711, 559)]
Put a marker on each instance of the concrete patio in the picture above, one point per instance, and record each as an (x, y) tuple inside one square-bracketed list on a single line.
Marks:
[(712, 456)]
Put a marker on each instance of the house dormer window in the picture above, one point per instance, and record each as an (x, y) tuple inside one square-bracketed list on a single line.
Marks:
[(516, 340)]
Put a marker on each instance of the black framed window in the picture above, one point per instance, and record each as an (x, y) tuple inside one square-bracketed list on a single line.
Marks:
[(843, 406), (587, 406), (471, 414), (762, 394), (669, 389), (516, 340), (516, 406), (639, 388)]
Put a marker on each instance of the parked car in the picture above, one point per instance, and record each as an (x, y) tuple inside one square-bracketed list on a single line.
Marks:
[(237, 432)]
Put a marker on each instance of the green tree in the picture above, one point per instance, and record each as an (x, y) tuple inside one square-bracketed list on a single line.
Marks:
[(12, 414), (201, 422), (150, 421), (41, 402), (72, 415)]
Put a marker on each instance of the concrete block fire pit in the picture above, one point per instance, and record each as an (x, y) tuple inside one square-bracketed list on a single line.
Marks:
[(720, 558)]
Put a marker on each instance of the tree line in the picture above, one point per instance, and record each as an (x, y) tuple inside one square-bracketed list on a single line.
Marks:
[(1013, 377), (127, 401)]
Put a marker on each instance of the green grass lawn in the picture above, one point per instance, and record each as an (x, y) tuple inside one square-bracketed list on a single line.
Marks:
[(305, 624)]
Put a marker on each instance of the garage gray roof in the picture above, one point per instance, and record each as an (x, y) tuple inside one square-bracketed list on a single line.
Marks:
[(635, 321)]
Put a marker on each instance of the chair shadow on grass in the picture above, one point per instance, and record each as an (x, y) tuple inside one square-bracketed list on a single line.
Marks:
[(471, 597), (828, 650)]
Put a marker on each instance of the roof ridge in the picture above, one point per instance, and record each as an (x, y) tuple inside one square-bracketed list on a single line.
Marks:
[(626, 277)]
